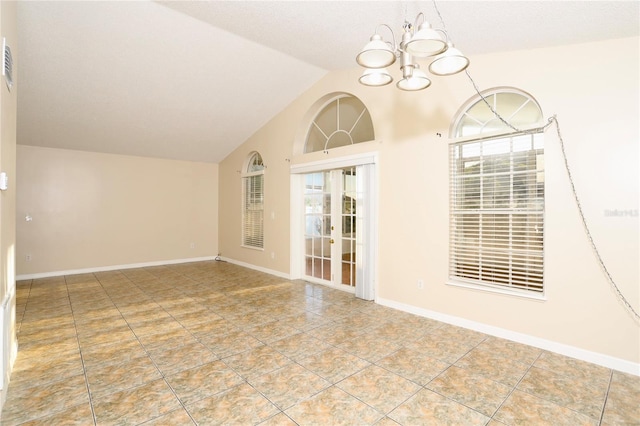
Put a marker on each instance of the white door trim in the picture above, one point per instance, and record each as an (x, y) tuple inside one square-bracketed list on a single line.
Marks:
[(335, 163), (297, 214)]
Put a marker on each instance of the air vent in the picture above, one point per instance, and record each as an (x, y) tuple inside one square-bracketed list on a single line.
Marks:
[(7, 69)]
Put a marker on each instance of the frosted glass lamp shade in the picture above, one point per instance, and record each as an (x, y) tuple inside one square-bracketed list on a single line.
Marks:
[(425, 42), (376, 77), (376, 54), (417, 81), (452, 61)]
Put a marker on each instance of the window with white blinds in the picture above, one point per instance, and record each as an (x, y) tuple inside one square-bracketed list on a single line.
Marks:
[(253, 203), (497, 212)]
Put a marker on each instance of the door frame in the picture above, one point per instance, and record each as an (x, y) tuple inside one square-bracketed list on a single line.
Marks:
[(368, 259)]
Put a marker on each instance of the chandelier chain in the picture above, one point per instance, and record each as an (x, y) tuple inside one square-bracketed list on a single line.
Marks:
[(489, 105), (435, 6), (553, 119), (615, 287)]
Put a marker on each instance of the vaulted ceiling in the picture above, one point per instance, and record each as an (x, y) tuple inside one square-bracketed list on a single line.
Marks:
[(192, 80)]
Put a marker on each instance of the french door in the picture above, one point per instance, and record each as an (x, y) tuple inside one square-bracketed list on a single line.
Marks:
[(330, 200), (337, 235)]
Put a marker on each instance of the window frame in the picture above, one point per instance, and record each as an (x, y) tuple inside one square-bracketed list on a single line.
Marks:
[(329, 134), (252, 224), (489, 96), (478, 280)]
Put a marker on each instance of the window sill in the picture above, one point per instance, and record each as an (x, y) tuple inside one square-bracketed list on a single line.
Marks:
[(503, 291), (252, 248)]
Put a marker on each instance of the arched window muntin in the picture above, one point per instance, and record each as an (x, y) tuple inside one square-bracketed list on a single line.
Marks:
[(517, 107), (496, 195), (253, 201), (342, 120), (253, 164)]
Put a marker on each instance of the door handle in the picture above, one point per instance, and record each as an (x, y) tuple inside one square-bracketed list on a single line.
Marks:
[(331, 241)]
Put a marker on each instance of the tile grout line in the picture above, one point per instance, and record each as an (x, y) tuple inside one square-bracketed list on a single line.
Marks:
[(552, 371), (106, 293), (24, 311), (453, 365), (606, 397), (84, 368), (144, 348), (515, 386)]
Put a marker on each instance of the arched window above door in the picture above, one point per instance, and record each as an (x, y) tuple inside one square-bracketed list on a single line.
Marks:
[(342, 121)]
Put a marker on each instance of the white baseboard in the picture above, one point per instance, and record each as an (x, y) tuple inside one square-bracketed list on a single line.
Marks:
[(111, 268), (9, 344), (146, 264), (560, 348), (257, 268)]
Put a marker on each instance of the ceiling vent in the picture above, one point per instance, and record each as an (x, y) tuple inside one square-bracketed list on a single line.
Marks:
[(7, 69)]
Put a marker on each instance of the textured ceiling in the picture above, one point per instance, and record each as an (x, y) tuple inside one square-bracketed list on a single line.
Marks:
[(180, 79)]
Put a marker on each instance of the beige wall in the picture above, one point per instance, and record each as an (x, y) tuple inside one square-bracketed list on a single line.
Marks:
[(276, 188), (595, 97), (94, 210), (8, 108)]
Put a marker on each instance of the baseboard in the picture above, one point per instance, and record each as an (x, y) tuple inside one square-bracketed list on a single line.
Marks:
[(4, 375), (111, 268), (3, 398), (256, 268), (146, 264), (560, 348), (9, 346)]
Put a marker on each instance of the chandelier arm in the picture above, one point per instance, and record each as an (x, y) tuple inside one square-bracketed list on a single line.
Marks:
[(444, 32), (393, 36), (415, 23)]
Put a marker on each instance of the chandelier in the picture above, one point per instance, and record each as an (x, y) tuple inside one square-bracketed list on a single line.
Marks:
[(421, 43)]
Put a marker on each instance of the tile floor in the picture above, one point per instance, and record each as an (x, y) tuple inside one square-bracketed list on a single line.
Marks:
[(212, 343)]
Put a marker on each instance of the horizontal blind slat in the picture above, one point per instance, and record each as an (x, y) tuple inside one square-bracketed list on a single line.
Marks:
[(253, 211), (496, 211)]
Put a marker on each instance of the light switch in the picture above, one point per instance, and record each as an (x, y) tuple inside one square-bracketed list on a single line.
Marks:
[(4, 181)]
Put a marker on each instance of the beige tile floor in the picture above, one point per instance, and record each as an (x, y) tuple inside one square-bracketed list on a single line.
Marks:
[(213, 343)]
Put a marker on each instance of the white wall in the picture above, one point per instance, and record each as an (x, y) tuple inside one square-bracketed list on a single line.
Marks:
[(94, 211), (598, 109)]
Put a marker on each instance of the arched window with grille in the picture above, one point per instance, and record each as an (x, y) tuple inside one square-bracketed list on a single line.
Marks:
[(253, 202), (343, 121), (497, 194)]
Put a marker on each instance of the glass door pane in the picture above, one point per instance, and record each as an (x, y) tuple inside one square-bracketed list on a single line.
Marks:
[(330, 226), (317, 235), (348, 219)]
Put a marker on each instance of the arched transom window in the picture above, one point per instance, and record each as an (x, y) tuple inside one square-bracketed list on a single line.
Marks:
[(516, 107), (343, 121)]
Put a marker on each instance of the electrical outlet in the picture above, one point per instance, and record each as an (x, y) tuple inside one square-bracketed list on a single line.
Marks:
[(192, 245), (28, 257), (420, 284)]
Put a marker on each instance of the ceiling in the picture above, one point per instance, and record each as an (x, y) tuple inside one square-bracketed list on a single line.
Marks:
[(192, 80)]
